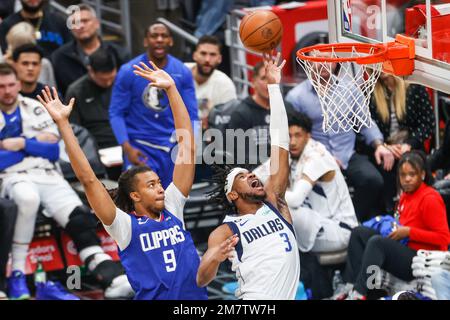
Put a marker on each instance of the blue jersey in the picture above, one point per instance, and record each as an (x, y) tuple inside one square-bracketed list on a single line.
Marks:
[(140, 112), (13, 125), (161, 261)]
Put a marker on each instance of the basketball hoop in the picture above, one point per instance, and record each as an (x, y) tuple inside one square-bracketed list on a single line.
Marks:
[(344, 76)]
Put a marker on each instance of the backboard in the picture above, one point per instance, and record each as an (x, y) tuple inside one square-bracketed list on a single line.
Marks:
[(426, 21)]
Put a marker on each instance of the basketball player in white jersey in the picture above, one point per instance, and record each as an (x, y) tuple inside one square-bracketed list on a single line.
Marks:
[(259, 238), (317, 196)]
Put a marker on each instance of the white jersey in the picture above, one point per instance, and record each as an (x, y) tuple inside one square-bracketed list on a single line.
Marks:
[(326, 206), (331, 199), (266, 259), (218, 89)]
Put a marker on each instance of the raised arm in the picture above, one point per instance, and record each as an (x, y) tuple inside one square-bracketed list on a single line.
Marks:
[(279, 136), (98, 197), (221, 243), (184, 171)]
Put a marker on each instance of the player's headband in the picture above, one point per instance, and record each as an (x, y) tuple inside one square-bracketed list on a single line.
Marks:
[(230, 179)]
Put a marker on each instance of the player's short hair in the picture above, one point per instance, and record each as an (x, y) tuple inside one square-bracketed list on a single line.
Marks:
[(27, 48), (121, 195), (301, 120), (258, 66), (6, 69), (147, 30), (102, 60), (206, 39)]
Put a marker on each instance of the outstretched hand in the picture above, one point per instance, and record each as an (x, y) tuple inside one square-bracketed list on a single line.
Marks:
[(273, 70), (57, 110), (225, 251), (159, 78)]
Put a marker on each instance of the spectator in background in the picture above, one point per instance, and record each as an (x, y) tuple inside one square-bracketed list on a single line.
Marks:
[(72, 59), (27, 62), (318, 197), (140, 114), (21, 34), (440, 158), (212, 86), (252, 115), (423, 222), (50, 28), (8, 214), (405, 116), (213, 13), (93, 95), (7, 8), (29, 145), (360, 171)]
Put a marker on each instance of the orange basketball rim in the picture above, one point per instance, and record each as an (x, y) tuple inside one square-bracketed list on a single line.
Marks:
[(397, 56)]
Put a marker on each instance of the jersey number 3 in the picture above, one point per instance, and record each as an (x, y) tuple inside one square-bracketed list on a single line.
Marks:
[(169, 259), (285, 238)]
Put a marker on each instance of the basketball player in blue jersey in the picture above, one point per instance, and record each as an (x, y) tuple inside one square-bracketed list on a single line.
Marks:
[(259, 237), (145, 220)]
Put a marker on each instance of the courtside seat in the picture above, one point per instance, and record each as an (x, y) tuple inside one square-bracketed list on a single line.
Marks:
[(44, 226), (332, 258)]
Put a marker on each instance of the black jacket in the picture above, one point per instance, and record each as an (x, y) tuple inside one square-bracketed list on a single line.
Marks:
[(69, 67), (419, 119), (53, 29), (254, 120), (6, 8), (91, 110)]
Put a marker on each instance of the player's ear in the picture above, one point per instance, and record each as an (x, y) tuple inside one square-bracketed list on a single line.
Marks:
[(233, 196), (135, 196)]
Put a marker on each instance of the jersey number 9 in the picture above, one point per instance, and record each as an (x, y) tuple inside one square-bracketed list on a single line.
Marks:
[(169, 259)]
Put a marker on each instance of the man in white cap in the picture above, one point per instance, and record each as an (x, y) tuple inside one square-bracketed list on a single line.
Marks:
[(259, 238)]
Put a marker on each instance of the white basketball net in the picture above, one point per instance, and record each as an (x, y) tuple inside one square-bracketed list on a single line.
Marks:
[(345, 95)]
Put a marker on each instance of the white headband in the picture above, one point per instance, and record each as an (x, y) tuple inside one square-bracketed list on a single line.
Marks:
[(230, 179)]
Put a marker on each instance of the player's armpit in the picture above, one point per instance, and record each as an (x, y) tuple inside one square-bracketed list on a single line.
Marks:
[(221, 243), (280, 203)]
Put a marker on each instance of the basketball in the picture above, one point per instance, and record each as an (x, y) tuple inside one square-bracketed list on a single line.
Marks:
[(261, 31)]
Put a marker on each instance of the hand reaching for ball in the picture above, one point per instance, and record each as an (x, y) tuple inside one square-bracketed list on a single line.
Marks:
[(273, 70)]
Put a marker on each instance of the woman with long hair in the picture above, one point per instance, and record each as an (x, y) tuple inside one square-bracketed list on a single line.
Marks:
[(403, 112), (404, 115)]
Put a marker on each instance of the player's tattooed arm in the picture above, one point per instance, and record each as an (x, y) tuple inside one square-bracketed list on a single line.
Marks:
[(98, 197), (221, 243), (184, 171)]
